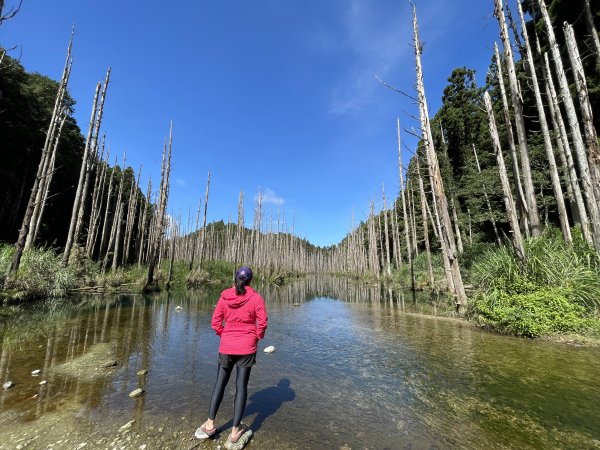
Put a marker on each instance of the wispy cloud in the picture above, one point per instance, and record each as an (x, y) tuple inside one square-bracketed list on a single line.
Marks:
[(269, 196), (180, 182), (378, 40)]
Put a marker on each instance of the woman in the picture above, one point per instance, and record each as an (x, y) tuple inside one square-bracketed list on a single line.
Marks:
[(240, 319)]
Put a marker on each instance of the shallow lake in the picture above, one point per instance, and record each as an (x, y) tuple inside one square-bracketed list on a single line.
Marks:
[(355, 367)]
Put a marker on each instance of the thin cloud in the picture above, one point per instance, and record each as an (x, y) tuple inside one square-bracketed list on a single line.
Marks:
[(269, 196), (180, 182), (379, 40)]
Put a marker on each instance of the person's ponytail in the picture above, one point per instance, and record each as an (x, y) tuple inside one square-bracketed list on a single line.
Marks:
[(240, 286)]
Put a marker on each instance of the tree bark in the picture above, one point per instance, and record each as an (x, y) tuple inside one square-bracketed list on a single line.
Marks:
[(517, 101), (511, 213), (447, 236), (554, 177)]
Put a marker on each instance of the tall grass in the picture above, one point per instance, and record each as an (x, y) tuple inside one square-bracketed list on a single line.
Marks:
[(40, 275), (555, 289)]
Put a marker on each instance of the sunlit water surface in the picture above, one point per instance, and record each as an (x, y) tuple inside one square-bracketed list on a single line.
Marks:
[(355, 367)]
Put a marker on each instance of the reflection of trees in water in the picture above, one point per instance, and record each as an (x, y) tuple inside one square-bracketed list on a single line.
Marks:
[(349, 290)]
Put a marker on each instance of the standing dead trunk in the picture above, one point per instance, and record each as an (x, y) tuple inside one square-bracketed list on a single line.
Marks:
[(591, 137), (576, 137), (425, 227), (487, 200), (589, 23), (160, 218), (554, 177), (201, 251), (447, 236), (78, 193), (570, 172), (521, 201), (42, 166), (517, 102), (517, 239), (387, 236), (409, 252)]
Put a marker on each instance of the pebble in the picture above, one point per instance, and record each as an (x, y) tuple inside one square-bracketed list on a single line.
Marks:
[(43, 382), (136, 393), (128, 425), (80, 446), (111, 363), (6, 386), (35, 373), (178, 308), (141, 373), (296, 304), (270, 349)]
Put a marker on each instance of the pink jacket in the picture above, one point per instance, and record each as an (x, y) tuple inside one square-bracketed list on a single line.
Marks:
[(240, 321)]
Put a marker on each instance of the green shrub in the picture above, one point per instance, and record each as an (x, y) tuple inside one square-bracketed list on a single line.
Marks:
[(543, 312)]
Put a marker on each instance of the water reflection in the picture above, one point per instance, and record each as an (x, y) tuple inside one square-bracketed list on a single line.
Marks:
[(357, 365)]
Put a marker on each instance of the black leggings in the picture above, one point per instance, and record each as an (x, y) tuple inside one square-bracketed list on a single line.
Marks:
[(241, 391)]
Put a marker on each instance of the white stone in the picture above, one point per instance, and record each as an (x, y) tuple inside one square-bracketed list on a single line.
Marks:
[(270, 349), (43, 382), (136, 393), (35, 373), (6, 386)]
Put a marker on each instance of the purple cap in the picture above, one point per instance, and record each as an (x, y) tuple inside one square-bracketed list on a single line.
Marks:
[(244, 273)]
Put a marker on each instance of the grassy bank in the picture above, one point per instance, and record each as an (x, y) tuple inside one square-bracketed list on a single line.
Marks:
[(42, 276)]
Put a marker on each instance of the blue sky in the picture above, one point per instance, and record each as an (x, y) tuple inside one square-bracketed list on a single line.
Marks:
[(272, 94)]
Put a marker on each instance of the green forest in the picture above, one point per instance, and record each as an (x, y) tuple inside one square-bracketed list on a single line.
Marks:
[(505, 226)]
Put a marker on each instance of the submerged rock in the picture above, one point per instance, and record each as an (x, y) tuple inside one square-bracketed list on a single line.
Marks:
[(136, 393), (43, 382), (241, 443), (6, 386), (110, 363), (143, 372), (128, 425), (270, 349), (35, 373), (296, 304)]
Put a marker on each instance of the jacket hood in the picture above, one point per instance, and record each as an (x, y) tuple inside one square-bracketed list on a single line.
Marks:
[(235, 301)]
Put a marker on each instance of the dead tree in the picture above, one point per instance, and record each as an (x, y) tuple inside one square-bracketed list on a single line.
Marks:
[(203, 238), (589, 23), (517, 102), (511, 213), (162, 207), (82, 172), (27, 218), (387, 235), (447, 239), (521, 201), (409, 252), (554, 177), (564, 147), (425, 226), (576, 137), (591, 137), (487, 200)]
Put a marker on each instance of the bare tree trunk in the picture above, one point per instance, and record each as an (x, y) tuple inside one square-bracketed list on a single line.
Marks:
[(511, 212), (447, 236), (78, 194), (554, 177), (589, 23), (27, 222), (48, 180), (487, 200), (578, 146), (143, 236), (591, 137), (517, 101), (425, 227), (201, 251), (406, 220), (387, 236), (521, 201), (97, 200), (564, 146), (164, 194)]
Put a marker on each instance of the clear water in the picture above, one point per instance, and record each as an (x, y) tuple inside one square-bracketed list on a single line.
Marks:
[(355, 366)]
